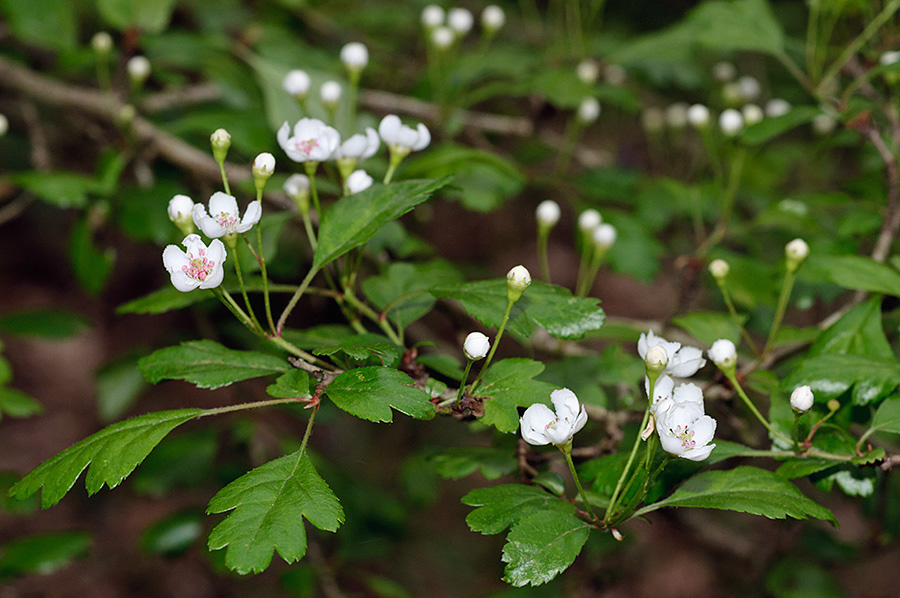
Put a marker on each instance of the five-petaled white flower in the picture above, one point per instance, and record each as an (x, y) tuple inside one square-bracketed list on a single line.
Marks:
[(541, 426), (401, 137), (359, 147), (200, 266), (359, 180), (684, 430), (683, 361), (312, 141), (224, 218)]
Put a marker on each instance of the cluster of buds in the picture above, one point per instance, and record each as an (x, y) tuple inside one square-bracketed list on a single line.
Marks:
[(444, 29)]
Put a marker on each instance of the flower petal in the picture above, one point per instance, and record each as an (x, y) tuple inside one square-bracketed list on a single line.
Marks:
[(566, 404), (222, 203), (214, 278), (174, 258), (688, 393), (533, 423), (424, 138), (183, 282), (389, 129), (251, 216), (374, 142), (699, 453)]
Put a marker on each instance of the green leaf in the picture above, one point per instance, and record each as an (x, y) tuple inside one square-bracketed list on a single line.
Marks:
[(725, 25), (61, 189), (42, 554), (370, 392), (319, 336), (852, 272), (401, 288), (208, 364), (44, 323), (509, 384), (112, 454), (52, 23), (173, 535), (92, 266), (268, 505), (541, 546), (887, 418), (499, 507), (745, 489), (161, 301), (459, 462), (832, 375), (354, 219), (295, 384), (858, 332), (118, 387), (15, 403), (551, 307), (147, 15), (709, 326), (363, 346), (770, 128)]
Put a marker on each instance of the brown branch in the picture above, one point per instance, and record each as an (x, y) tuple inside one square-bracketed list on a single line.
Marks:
[(892, 212), (181, 98)]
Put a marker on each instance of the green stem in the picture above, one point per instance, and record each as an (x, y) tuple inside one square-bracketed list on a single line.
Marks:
[(570, 138), (726, 296), (226, 298), (293, 301), (309, 425), (310, 233), (737, 386), (780, 310), (610, 510), (734, 179), (244, 406), (542, 235), (265, 277), (240, 275), (372, 315), (568, 453), (462, 385), (224, 177), (494, 346), (311, 173)]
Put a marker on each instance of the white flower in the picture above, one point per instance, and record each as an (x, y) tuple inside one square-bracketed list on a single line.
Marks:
[(355, 55), (752, 114), (296, 184), (777, 107), (676, 115), (684, 430), (588, 110), (4, 125), (796, 250), (492, 17), (432, 16), (180, 208), (358, 181), (138, 68), (614, 74), (102, 42), (359, 147), (698, 115), (719, 268), (724, 71), (399, 136), (225, 217), (198, 267), (312, 141), (547, 213), (652, 119), (731, 122), (588, 220), (687, 393), (330, 92), (802, 399), (723, 353), (823, 124), (460, 20), (297, 83), (442, 37), (476, 346), (683, 361), (264, 164), (749, 88), (605, 235), (588, 71), (542, 426), (661, 390)]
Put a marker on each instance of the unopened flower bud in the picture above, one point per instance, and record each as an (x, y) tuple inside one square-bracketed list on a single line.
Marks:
[(604, 236), (723, 354), (777, 107), (492, 18), (698, 116), (749, 88), (833, 405), (547, 213), (359, 180), (460, 20), (330, 93), (795, 252), (614, 74), (752, 114), (180, 208), (297, 188), (4, 125), (724, 72), (355, 56), (588, 110), (263, 167), (442, 37), (823, 124), (889, 58), (802, 399), (588, 220), (517, 280), (138, 70), (102, 43), (719, 269), (220, 141), (297, 83), (432, 16), (476, 346), (731, 122), (588, 71), (656, 360), (676, 115)]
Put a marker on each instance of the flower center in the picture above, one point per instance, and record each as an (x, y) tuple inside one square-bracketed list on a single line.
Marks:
[(551, 424), (307, 146), (686, 436), (199, 267), (226, 220)]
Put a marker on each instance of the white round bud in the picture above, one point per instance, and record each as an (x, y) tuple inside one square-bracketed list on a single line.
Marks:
[(359, 180), (476, 346), (220, 137), (752, 114), (889, 58), (442, 37), (588, 110), (517, 280), (138, 68), (676, 115), (802, 399), (180, 208), (657, 358), (605, 235), (614, 74), (731, 122), (330, 92), (4, 125), (432, 16), (588, 220), (698, 116), (724, 72), (102, 42), (548, 213), (777, 107), (796, 250), (749, 88), (296, 184), (723, 353), (588, 71), (492, 17), (823, 124), (460, 20), (652, 119), (297, 83), (719, 268), (264, 164), (355, 55)]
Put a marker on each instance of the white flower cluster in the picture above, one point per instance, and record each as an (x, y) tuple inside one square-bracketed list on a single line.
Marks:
[(445, 28)]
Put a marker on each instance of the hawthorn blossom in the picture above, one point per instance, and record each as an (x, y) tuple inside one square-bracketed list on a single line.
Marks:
[(180, 208), (683, 361), (312, 140), (802, 399), (358, 147), (400, 137), (359, 180), (199, 266), (476, 346), (224, 217), (684, 430), (542, 426), (662, 390)]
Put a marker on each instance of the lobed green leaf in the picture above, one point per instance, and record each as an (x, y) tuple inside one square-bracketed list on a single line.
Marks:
[(541, 546), (509, 384), (370, 393), (499, 507)]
